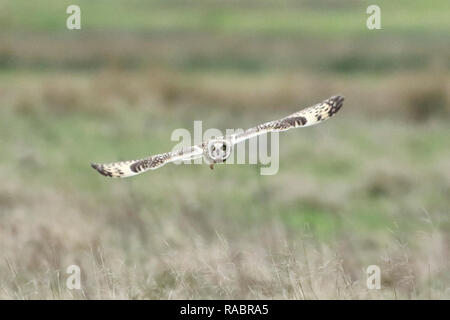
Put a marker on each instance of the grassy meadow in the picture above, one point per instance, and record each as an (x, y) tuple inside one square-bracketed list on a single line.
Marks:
[(369, 187)]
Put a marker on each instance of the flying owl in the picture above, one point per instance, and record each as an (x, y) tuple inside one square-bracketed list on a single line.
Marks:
[(219, 149)]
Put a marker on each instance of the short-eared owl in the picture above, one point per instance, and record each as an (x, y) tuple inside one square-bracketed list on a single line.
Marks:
[(219, 149)]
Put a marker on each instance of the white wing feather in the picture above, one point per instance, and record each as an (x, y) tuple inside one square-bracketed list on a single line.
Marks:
[(304, 118), (131, 168)]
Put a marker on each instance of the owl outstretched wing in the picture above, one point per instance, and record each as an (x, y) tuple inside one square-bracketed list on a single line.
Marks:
[(307, 117), (130, 168)]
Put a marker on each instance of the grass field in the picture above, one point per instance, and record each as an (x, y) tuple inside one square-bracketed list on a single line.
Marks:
[(369, 187)]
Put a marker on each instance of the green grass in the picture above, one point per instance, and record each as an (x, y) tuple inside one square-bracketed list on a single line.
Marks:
[(285, 17), (52, 149), (370, 186)]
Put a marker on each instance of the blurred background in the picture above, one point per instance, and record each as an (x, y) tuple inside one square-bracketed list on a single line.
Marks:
[(369, 187)]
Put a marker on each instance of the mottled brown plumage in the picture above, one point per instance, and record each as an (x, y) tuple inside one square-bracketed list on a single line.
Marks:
[(304, 118)]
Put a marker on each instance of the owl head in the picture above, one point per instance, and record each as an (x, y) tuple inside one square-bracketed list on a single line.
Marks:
[(218, 150)]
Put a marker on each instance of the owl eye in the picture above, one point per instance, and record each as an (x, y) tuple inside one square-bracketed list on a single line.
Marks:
[(224, 147), (213, 148)]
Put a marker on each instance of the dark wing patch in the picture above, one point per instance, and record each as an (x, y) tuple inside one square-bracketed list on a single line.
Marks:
[(101, 169), (307, 117), (149, 163), (130, 168), (335, 103), (295, 121)]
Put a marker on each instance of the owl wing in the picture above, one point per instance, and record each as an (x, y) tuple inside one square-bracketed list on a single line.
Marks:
[(130, 168), (304, 118)]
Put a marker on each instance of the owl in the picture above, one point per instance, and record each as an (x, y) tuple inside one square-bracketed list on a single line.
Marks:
[(218, 150)]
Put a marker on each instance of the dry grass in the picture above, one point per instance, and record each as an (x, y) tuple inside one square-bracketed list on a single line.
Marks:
[(129, 254)]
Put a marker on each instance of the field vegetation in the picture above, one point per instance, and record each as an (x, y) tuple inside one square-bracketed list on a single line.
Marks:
[(369, 187)]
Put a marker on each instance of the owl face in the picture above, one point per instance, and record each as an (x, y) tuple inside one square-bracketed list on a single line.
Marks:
[(219, 150)]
